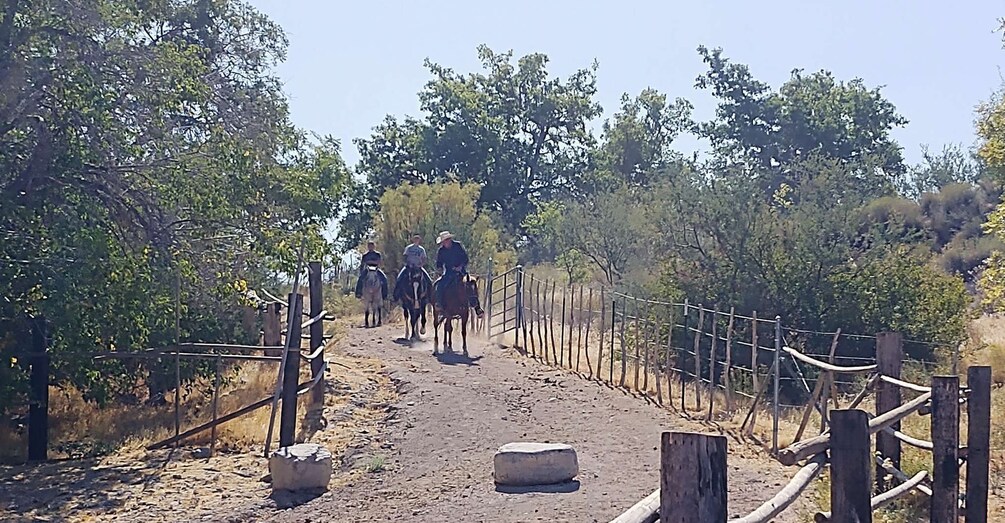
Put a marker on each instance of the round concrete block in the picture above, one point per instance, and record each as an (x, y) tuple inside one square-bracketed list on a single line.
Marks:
[(301, 467), (525, 464)]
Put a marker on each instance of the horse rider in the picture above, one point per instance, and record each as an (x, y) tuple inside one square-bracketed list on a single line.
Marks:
[(452, 259), (415, 258), (371, 258)]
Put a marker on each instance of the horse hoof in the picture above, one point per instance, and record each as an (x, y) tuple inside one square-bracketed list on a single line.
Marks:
[(422, 330)]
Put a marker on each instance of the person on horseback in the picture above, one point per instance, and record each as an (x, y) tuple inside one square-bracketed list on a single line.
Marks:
[(371, 258), (415, 259), (452, 259)]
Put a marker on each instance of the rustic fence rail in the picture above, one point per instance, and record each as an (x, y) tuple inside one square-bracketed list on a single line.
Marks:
[(278, 345)]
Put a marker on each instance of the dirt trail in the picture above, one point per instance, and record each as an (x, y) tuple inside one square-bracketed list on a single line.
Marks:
[(453, 413)]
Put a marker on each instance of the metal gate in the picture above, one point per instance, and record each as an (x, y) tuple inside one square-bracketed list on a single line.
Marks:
[(504, 310)]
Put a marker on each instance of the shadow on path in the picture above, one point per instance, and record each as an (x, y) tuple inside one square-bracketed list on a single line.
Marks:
[(560, 488), (456, 358)]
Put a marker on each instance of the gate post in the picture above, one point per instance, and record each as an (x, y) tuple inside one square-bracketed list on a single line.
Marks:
[(38, 411), (945, 451), (488, 300), (889, 353), (850, 466), (978, 443), (518, 301), (291, 374), (315, 411), (692, 478)]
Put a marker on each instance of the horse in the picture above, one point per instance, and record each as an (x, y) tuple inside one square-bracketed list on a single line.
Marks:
[(414, 299), (457, 303), (373, 300)]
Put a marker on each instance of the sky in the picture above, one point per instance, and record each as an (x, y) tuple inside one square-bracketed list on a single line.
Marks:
[(352, 63)]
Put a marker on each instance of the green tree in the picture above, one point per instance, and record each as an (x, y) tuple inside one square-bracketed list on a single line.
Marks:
[(810, 115), (519, 133), (638, 140), (427, 209), (139, 142)]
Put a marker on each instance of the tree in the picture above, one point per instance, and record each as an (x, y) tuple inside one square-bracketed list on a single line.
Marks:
[(810, 115), (638, 140), (140, 144), (427, 209), (512, 129)]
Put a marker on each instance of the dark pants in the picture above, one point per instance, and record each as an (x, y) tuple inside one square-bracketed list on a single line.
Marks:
[(383, 283), (399, 282)]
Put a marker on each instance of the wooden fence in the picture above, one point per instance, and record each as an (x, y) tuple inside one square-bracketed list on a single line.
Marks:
[(278, 346), (713, 364)]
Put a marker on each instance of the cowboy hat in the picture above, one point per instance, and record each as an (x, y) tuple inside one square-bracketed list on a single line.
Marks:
[(445, 235)]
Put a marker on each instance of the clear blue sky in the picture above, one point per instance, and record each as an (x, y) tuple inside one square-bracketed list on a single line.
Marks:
[(351, 63)]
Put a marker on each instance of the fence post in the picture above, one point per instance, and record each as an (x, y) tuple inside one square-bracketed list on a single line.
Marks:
[(777, 378), (692, 478), (850, 465), (727, 372), (271, 331), (488, 302), (753, 368), (945, 441), (698, 334), (316, 410), (683, 362), (889, 353), (978, 443), (38, 410), (600, 351), (291, 373)]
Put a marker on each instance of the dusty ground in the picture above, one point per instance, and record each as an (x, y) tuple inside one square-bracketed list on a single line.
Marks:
[(455, 412), (415, 437)]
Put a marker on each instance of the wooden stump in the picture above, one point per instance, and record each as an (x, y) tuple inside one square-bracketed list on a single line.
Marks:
[(692, 478)]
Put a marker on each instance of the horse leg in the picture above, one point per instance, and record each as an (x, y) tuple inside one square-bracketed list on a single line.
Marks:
[(436, 331), (404, 313), (422, 313), (464, 332), (366, 316), (448, 333)]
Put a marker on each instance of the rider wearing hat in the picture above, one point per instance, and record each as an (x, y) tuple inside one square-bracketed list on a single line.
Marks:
[(452, 259), (371, 258)]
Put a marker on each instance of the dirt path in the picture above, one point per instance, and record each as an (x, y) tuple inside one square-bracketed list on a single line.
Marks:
[(453, 413)]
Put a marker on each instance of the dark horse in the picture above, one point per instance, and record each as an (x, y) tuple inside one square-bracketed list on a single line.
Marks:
[(414, 299), (457, 302)]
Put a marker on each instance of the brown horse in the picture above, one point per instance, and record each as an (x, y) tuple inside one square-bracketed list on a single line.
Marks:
[(457, 302)]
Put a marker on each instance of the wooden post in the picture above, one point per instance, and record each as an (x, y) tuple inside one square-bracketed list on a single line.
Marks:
[(589, 321), (683, 372), (647, 355), (692, 478), (541, 322), (488, 300), (889, 353), (621, 335), (579, 330), (698, 333), (523, 305), (669, 365), (945, 440), (38, 408), (978, 443), (614, 313), (753, 366), (561, 334), (532, 312), (572, 320), (635, 344), (317, 331), (271, 331), (775, 407), (291, 371), (551, 325), (726, 373), (657, 377), (850, 465), (711, 362), (602, 331), (216, 399)]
